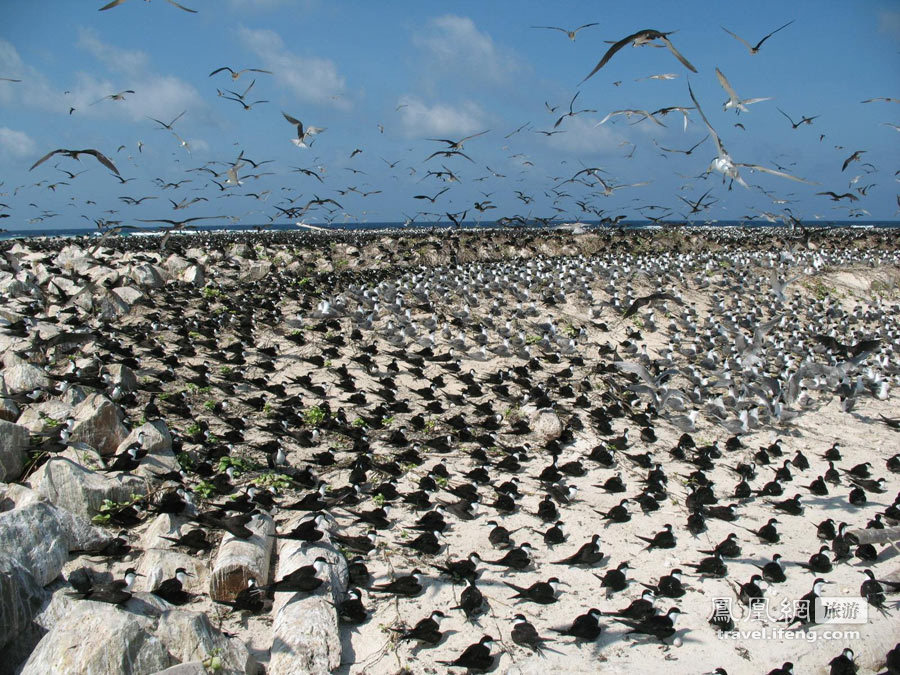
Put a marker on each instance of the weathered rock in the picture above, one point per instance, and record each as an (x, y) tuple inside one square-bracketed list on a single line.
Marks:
[(109, 305), (122, 377), (159, 564), (41, 417), (71, 486), (98, 422), (306, 635), (258, 270), (128, 294), (13, 450), (67, 257), (98, 639), (194, 275), (9, 411), (239, 560), (189, 636), (240, 250), (20, 376), (147, 275), (190, 668), (80, 534), (546, 425), (34, 537), (20, 599), (158, 443)]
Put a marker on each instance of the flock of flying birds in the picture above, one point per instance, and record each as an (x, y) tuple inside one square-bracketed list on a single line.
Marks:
[(225, 177)]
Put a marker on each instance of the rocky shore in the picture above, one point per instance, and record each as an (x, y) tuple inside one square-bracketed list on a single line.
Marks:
[(265, 452)]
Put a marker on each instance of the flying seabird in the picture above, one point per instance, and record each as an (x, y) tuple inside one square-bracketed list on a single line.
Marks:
[(724, 164), (734, 101), (74, 155), (235, 74), (642, 37), (116, 3), (569, 33), (754, 50)]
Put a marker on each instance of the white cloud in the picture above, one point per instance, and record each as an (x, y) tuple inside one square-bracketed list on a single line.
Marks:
[(581, 136), (127, 61), (33, 90), (312, 79), (419, 119), (160, 96), (889, 22), (15, 143), (456, 45)]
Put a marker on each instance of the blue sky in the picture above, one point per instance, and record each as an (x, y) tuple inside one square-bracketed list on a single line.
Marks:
[(383, 77)]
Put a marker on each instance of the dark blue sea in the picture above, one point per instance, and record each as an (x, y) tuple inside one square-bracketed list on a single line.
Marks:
[(399, 228)]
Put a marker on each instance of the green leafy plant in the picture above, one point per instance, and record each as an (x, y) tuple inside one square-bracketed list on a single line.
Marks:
[(205, 489), (276, 480), (238, 463), (314, 416), (213, 662), (108, 508), (193, 429), (210, 405)]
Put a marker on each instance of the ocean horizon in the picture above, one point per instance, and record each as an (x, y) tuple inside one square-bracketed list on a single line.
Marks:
[(401, 227)]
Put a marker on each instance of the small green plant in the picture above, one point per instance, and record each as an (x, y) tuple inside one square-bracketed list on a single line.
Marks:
[(441, 481), (192, 429), (276, 480), (205, 489), (238, 463), (225, 370), (213, 662), (532, 339), (359, 422), (430, 425), (185, 461), (819, 289), (212, 439), (50, 423), (209, 292), (210, 405), (108, 508), (305, 281), (314, 416), (378, 500), (388, 420)]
